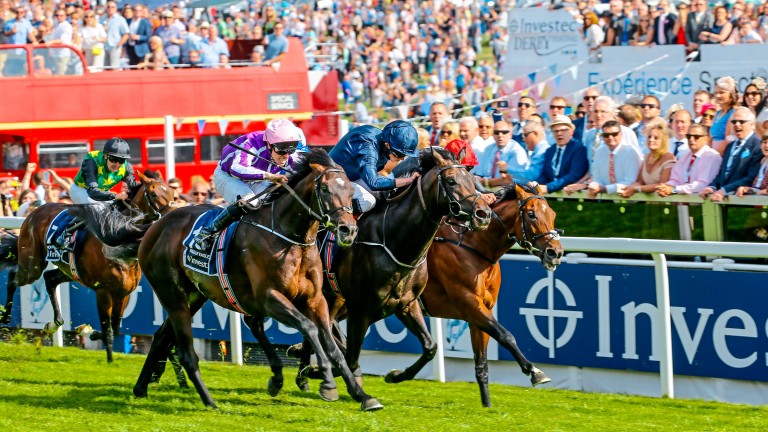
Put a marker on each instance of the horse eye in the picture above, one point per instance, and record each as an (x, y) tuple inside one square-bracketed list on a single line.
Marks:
[(531, 214), (324, 188), (451, 182)]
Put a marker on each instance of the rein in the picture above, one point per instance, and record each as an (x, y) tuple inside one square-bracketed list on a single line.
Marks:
[(528, 240), (454, 205), (157, 213)]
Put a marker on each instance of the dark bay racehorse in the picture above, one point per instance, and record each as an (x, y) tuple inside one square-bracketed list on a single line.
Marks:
[(380, 274), (464, 274), (274, 270), (112, 272)]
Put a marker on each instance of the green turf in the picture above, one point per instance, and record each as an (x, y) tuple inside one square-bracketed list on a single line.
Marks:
[(67, 389)]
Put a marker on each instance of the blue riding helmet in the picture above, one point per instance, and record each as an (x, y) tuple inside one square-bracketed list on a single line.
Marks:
[(402, 137)]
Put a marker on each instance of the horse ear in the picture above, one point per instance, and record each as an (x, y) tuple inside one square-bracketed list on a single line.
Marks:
[(143, 178), (159, 175), (439, 159), (462, 154)]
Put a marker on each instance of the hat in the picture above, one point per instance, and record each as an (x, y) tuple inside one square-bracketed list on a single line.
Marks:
[(167, 14), (281, 131), (562, 120), (685, 2), (205, 24), (455, 146), (706, 107)]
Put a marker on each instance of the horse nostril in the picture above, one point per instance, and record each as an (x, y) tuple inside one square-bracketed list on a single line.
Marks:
[(344, 230), (551, 253), (482, 214)]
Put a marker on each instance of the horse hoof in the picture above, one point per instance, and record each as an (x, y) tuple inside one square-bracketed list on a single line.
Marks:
[(329, 395), (538, 377), (294, 351), (394, 377), (371, 404), (140, 392), (302, 383), (274, 386)]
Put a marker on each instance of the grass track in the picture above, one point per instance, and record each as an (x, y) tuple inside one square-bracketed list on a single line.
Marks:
[(67, 389)]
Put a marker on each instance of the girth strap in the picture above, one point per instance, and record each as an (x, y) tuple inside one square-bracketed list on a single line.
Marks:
[(462, 245), (226, 286)]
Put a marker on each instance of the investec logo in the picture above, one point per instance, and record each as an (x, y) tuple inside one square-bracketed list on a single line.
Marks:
[(731, 323)]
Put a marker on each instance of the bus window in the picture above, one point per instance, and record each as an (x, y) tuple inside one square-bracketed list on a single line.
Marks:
[(184, 150), (56, 61), (133, 143), (211, 146), (13, 62), (15, 155), (61, 155)]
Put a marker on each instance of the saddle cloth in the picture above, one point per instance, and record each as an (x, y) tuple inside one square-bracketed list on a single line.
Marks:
[(56, 230), (328, 248), (206, 262)]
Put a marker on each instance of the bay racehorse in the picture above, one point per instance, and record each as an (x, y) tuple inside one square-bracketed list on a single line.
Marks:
[(465, 277), (380, 274), (111, 271), (274, 269)]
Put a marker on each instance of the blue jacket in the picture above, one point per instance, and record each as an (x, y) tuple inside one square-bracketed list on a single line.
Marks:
[(141, 48), (362, 156), (572, 168), (746, 164)]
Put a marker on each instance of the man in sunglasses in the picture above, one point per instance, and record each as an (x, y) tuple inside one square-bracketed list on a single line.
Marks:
[(525, 108), (365, 150), (501, 157), (696, 166), (650, 108), (741, 158), (248, 166), (100, 172)]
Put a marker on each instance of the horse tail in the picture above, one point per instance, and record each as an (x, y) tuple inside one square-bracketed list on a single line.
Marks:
[(9, 247), (108, 224)]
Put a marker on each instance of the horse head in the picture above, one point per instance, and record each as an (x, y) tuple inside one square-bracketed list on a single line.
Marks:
[(332, 197), (154, 197), (535, 230), (455, 188)]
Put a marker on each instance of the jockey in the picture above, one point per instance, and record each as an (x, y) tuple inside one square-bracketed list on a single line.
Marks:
[(470, 161), (365, 150), (240, 175), (101, 171)]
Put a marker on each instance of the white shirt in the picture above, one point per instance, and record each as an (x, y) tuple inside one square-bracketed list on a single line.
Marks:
[(681, 148), (479, 144), (626, 162), (63, 32)]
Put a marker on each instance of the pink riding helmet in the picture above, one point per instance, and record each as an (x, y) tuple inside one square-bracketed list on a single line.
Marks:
[(282, 130)]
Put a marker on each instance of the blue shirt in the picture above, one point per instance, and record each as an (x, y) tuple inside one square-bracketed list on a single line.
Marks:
[(535, 164), (166, 33), (116, 27), (210, 52), (362, 156), (512, 153), (23, 28), (191, 43), (277, 45)]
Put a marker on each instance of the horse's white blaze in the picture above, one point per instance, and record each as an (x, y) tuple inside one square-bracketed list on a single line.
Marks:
[(340, 181), (164, 188), (544, 206)]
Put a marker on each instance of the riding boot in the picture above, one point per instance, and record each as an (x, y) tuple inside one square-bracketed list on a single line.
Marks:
[(64, 241), (357, 208), (202, 240)]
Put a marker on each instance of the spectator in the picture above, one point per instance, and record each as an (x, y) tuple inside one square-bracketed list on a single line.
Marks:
[(170, 36), (18, 31), (500, 157), (199, 193), (93, 36), (61, 35), (26, 198), (708, 115), (593, 33), (629, 116), (156, 59), (438, 114), (720, 30), (698, 20), (650, 109), (657, 166), (582, 123), (485, 131), (140, 29), (741, 159), (565, 162), (644, 33), (117, 35), (536, 146), (423, 138), (615, 165), (621, 30), (605, 110), (681, 22), (760, 184), (747, 33), (525, 108), (695, 168), (754, 99), (277, 46), (469, 132), (664, 25), (681, 124), (214, 51), (257, 58), (700, 98), (449, 132), (726, 96)]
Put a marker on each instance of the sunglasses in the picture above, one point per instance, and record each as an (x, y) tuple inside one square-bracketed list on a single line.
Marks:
[(500, 132), (444, 133), (693, 137), (590, 97), (752, 93), (115, 159), (528, 133), (738, 122), (554, 107), (610, 134), (709, 116), (561, 130), (524, 105), (199, 193), (397, 154), (484, 126), (648, 105)]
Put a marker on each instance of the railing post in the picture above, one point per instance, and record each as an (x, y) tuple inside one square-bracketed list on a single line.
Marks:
[(664, 341), (713, 221), (170, 150), (57, 337), (438, 363), (235, 338), (684, 222)]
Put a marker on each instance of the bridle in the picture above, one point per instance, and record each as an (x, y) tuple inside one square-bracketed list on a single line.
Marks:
[(528, 240), (325, 213), (454, 205), (157, 213)]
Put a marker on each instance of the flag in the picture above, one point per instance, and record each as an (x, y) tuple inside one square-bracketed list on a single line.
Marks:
[(223, 123), (532, 77), (553, 69), (246, 122), (179, 122), (200, 126), (557, 80), (574, 71)]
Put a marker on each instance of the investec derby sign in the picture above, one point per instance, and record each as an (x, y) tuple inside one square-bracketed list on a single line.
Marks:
[(540, 38)]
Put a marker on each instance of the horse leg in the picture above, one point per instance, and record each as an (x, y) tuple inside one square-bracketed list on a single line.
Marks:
[(413, 319), (52, 280), (181, 319), (281, 309), (5, 318), (158, 352), (104, 305), (356, 328), (480, 348), (275, 383), (303, 351), (319, 315)]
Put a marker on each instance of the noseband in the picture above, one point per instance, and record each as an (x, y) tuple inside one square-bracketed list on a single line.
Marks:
[(528, 240), (157, 213), (325, 213), (454, 205)]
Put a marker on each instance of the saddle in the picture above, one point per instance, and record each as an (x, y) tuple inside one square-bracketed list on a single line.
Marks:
[(212, 260), (56, 230)]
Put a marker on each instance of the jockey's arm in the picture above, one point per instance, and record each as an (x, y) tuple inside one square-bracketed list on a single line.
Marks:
[(89, 170), (130, 177), (367, 163)]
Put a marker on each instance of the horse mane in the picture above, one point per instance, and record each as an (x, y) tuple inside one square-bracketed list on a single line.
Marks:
[(302, 168), (509, 192), (108, 224), (421, 164), (135, 189)]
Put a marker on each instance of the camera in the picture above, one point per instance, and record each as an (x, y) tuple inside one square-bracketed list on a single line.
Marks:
[(503, 104)]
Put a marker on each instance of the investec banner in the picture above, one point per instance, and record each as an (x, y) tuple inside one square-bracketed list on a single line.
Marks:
[(600, 316), (546, 55)]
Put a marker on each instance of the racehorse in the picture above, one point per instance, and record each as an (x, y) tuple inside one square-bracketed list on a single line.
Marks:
[(381, 273), (464, 274), (274, 269), (112, 271)]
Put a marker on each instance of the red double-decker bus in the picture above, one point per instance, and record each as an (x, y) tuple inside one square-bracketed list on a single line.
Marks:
[(55, 120)]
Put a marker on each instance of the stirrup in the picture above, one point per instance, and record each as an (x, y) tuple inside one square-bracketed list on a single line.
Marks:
[(64, 243)]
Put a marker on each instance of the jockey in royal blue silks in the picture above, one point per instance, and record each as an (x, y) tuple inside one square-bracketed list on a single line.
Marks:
[(364, 151), (249, 165)]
